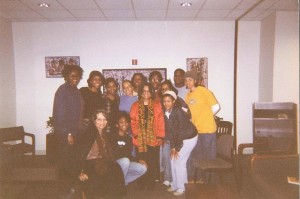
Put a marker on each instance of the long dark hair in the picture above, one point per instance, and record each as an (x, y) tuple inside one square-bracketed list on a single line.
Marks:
[(150, 90), (170, 85), (96, 112)]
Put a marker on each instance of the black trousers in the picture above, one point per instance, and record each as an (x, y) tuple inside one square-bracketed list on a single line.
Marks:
[(67, 159), (110, 185), (152, 159), (67, 164)]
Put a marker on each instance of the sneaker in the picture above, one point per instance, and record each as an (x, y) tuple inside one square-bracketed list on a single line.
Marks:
[(167, 183), (178, 193), (170, 189)]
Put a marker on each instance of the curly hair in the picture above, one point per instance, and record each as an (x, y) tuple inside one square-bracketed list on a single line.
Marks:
[(68, 69), (110, 79), (144, 79)]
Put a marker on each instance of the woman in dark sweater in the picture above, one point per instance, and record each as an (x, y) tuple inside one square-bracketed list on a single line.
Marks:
[(183, 138), (111, 102), (92, 95), (67, 118)]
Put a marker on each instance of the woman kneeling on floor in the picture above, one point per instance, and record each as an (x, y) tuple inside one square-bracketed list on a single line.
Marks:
[(121, 143), (100, 174)]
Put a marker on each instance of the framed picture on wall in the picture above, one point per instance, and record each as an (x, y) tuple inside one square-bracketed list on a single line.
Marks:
[(54, 65), (122, 74), (200, 66)]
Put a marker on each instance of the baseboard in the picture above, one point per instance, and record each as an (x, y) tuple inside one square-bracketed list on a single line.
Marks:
[(40, 152)]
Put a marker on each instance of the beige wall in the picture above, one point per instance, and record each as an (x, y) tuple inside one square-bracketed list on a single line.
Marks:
[(266, 58), (7, 76)]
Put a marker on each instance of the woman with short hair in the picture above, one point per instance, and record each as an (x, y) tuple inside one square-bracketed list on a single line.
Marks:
[(67, 120)]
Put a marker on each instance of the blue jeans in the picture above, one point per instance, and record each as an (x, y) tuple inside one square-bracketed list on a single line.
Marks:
[(165, 163), (206, 148), (131, 170)]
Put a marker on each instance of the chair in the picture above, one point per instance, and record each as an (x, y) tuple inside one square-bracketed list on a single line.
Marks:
[(225, 155), (17, 134), (224, 127)]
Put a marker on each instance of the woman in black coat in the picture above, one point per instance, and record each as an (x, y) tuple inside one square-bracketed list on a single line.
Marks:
[(101, 175)]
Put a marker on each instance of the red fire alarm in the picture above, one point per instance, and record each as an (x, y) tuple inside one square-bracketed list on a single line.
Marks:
[(134, 61)]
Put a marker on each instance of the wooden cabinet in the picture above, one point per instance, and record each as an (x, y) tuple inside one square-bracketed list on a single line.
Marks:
[(275, 126)]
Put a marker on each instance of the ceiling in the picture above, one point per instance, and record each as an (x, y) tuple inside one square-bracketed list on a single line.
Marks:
[(140, 10)]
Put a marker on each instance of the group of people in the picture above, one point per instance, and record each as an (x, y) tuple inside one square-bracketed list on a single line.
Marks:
[(151, 132)]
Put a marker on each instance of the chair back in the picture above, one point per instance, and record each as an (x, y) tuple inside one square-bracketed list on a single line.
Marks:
[(225, 146), (11, 134), (224, 127)]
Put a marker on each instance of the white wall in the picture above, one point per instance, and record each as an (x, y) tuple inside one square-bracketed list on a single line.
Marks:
[(274, 77), (160, 44), (7, 76), (247, 78), (279, 58), (286, 58), (103, 45)]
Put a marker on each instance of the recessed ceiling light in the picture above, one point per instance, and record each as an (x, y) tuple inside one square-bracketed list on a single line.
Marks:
[(186, 4), (44, 5)]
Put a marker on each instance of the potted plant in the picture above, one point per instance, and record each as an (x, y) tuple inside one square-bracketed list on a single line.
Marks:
[(49, 124), (50, 141)]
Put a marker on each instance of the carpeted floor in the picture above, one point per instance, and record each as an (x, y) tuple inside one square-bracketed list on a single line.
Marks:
[(37, 181)]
